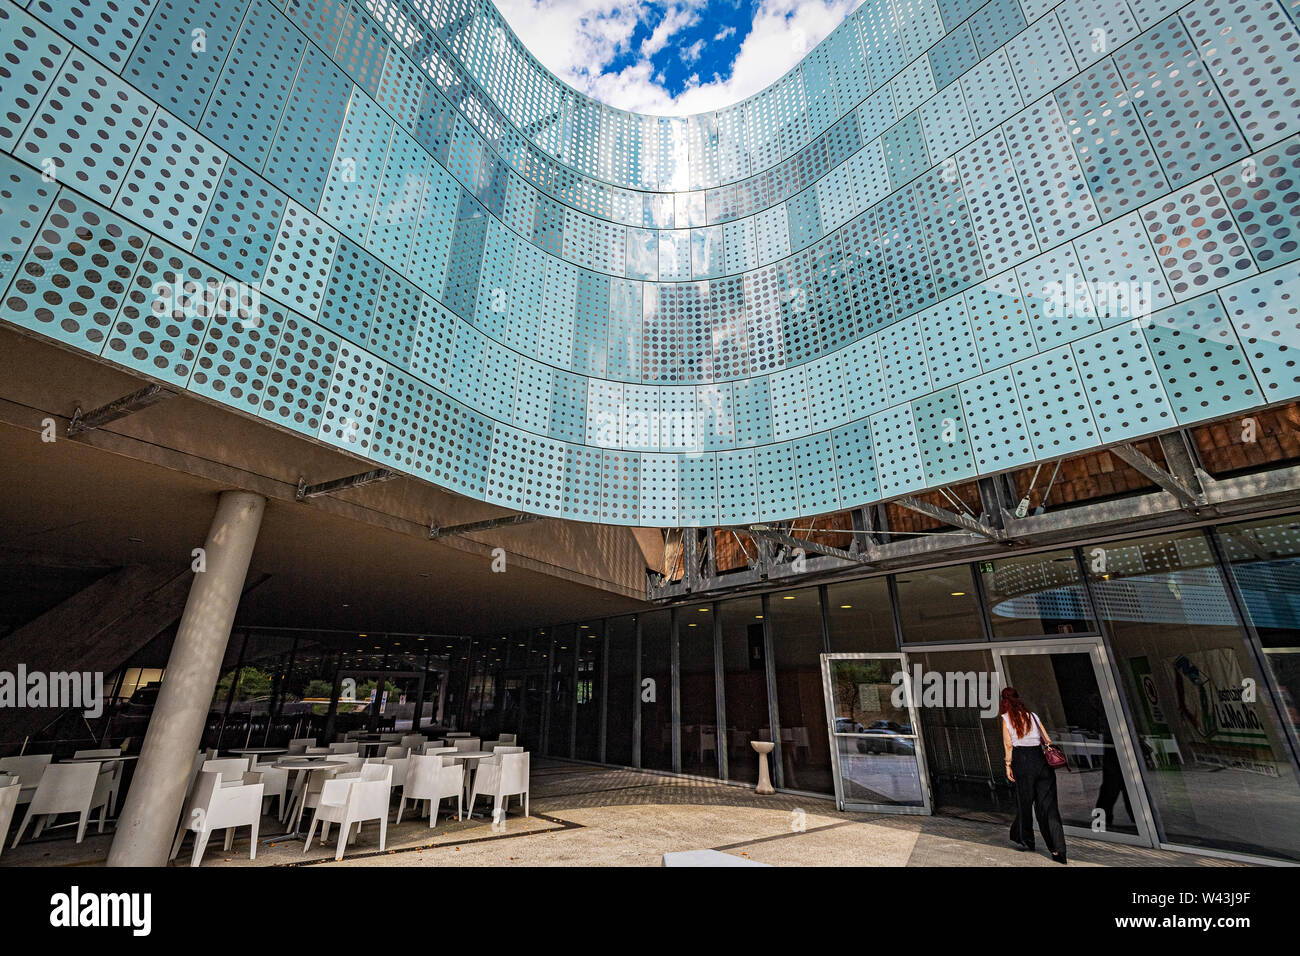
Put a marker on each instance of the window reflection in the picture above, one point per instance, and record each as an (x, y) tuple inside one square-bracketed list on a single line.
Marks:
[(656, 698), (796, 621), (744, 684), (861, 616), (1217, 769), (698, 693), (938, 605), (1035, 594), (1265, 560)]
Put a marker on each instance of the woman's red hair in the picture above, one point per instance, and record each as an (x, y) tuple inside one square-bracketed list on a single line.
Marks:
[(1015, 707)]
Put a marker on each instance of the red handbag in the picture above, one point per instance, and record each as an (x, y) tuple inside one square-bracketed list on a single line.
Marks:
[(1053, 754)]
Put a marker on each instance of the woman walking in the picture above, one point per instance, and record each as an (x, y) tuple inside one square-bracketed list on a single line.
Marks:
[(1024, 738)]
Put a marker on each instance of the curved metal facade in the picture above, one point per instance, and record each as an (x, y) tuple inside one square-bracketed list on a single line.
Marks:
[(961, 236)]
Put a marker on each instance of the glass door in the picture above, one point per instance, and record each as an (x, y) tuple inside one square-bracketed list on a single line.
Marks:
[(871, 719), (1069, 687)]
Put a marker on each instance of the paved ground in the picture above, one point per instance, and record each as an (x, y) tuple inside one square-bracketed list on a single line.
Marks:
[(595, 816)]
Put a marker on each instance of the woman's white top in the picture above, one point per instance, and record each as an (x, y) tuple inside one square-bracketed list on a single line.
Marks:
[(1032, 739)]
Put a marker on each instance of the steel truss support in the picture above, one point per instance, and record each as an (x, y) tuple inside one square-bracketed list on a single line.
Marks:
[(965, 522), (1190, 497), (126, 405), (488, 525), (306, 491), (790, 541)]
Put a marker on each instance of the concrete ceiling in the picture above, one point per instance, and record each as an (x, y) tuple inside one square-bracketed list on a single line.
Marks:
[(142, 491)]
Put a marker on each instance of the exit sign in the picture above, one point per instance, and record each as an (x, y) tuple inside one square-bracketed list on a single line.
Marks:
[(986, 567)]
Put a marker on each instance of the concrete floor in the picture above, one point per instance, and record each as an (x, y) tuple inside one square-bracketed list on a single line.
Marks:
[(595, 816)]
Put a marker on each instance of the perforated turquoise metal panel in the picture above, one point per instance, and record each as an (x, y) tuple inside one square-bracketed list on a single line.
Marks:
[(941, 435), (300, 260), (162, 320), (814, 468), (1265, 311), (1055, 403), (76, 273), (949, 346), (1002, 320), (995, 424), (86, 129), (107, 31), (1040, 58), (172, 181), (830, 293), (32, 57), (254, 84), (1201, 363), (1198, 242), (855, 462), (25, 198), (1264, 196), (242, 223), (1122, 383), (898, 457)]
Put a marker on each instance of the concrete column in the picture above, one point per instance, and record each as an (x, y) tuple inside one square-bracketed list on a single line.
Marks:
[(153, 804)]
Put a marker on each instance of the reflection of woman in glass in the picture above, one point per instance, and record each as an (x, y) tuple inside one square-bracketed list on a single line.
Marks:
[(1023, 738), (1112, 778)]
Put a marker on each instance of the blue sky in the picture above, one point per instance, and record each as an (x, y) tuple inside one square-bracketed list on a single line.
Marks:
[(672, 58)]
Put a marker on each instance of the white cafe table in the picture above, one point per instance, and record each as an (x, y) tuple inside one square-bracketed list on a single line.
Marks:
[(253, 752), (471, 759), (311, 765)]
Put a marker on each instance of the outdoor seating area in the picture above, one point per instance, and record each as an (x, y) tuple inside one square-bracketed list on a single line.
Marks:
[(359, 781)]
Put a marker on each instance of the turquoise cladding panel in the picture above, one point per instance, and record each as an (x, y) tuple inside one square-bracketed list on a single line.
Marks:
[(961, 238)]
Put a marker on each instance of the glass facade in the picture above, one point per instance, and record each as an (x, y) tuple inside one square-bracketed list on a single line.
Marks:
[(656, 696), (744, 685), (1217, 765), (796, 621), (1035, 594), (1161, 664), (909, 261)]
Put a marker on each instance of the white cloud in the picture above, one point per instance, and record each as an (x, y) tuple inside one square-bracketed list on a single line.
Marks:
[(674, 22), (579, 39), (692, 53), (723, 34)]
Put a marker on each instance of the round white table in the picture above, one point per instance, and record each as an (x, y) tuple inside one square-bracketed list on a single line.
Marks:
[(311, 765), (467, 756), (253, 752)]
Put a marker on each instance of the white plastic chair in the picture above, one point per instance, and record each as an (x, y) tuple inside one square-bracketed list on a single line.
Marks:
[(69, 788), (10, 788), (464, 744), (354, 763), (118, 766), (397, 751), (501, 777), (347, 747), (299, 745), (411, 741), (308, 792), (428, 778), (217, 806), (232, 769), (507, 740), (400, 765), (348, 802), (29, 770), (275, 783), (708, 742)]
